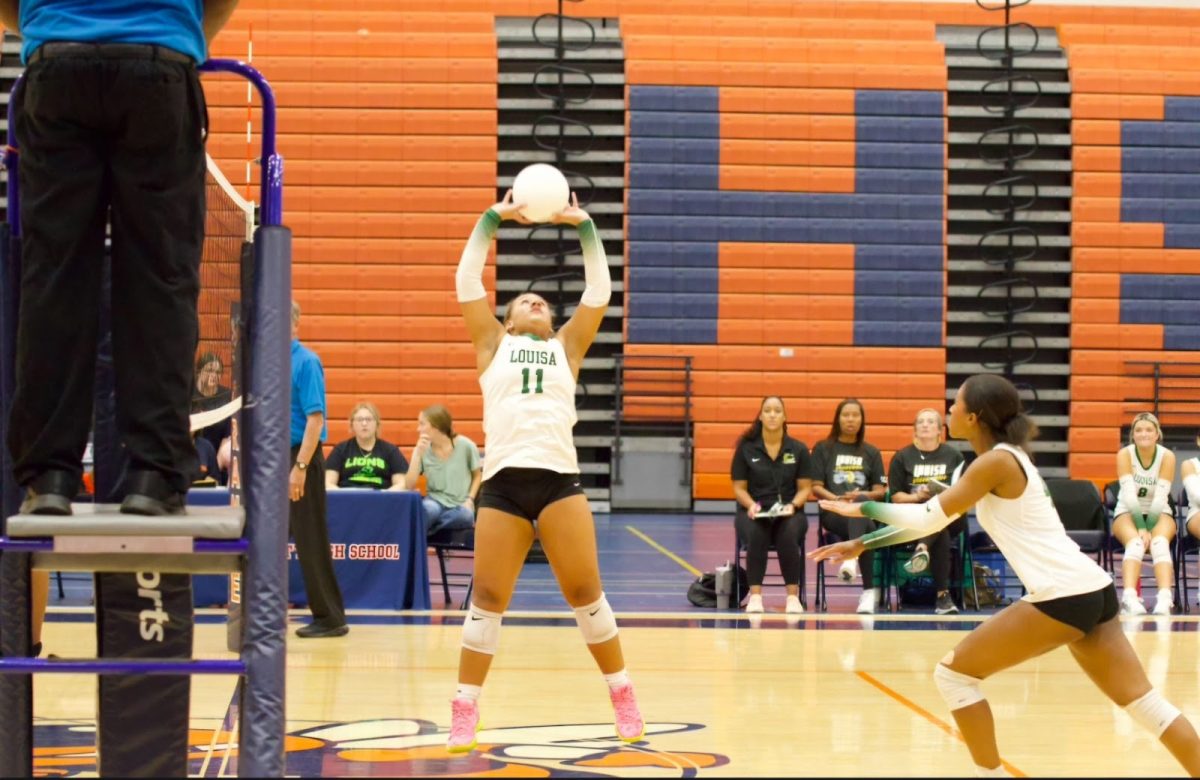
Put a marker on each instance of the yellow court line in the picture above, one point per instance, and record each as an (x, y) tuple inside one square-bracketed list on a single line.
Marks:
[(694, 571), (929, 716)]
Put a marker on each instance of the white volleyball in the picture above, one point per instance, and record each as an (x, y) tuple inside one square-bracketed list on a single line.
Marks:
[(542, 189)]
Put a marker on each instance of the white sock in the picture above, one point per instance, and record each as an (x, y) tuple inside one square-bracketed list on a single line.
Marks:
[(469, 692), (1165, 593), (1130, 593), (617, 679), (982, 771)]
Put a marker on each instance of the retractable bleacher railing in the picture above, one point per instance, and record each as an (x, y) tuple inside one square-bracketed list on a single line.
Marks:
[(250, 539)]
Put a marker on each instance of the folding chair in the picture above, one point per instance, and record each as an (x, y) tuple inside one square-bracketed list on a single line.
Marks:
[(452, 544), (1185, 544), (825, 537), (1084, 517)]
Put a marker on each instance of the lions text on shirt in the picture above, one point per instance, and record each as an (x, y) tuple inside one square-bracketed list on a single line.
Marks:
[(1145, 478), (1028, 532), (529, 407)]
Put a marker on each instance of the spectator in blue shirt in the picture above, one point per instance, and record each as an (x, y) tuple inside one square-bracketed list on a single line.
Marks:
[(307, 519)]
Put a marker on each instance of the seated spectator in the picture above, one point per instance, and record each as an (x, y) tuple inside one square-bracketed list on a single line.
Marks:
[(770, 471), (365, 460), (209, 472), (847, 468), (210, 394), (1142, 519), (928, 458), (452, 469), (1189, 472)]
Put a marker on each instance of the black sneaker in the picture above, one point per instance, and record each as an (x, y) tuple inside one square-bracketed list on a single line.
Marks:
[(945, 605)]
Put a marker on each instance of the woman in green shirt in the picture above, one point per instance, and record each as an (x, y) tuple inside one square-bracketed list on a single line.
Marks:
[(452, 469)]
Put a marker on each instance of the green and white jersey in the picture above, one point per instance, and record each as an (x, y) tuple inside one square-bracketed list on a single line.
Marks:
[(1145, 477), (529, 407)]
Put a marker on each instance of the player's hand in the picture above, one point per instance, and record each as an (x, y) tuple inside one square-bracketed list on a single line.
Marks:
[(922, 493), (844, 508), (836, 553), (571, 215), (296, 484), (753, 511), (509, 210)]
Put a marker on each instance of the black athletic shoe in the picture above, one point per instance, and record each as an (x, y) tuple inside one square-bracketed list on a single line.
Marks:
[(50, 493), (945, 605), (318, 631), (147, 493)]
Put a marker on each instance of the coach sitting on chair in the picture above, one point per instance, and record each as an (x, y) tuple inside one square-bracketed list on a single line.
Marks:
[(771, 482)]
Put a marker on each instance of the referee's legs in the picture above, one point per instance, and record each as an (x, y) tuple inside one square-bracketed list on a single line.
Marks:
[(64, 202), (309, 526)]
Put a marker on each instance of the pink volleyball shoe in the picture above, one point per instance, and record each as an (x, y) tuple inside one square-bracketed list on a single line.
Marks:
[(464, 722), (630, 727)]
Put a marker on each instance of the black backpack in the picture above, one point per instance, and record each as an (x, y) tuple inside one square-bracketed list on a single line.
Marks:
[(702, 592)]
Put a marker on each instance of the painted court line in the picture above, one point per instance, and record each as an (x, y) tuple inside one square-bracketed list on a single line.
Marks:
[(929, 716), (689, 567)]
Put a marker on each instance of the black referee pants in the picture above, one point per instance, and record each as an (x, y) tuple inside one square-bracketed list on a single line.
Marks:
[(108, 127), (308, 524)]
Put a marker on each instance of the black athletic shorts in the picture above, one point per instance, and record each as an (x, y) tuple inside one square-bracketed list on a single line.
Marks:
[(526, 492), (1085, 611)]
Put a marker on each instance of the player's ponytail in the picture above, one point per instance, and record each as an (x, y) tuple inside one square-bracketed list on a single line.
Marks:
[(997, 404)]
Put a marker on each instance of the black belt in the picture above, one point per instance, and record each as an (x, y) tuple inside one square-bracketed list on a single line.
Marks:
[(107, 51)]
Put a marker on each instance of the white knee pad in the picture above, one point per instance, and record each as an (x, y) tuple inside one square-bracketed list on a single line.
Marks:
[(1153, 712), (596, 621), (481, 630), (1160, 550), (1135, 550), (958, 689)]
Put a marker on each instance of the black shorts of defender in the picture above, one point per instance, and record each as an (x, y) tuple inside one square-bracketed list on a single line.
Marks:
[(1085, 611), (526, 492)]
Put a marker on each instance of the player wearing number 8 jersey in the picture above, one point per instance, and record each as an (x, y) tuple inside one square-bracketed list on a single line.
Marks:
[(527, 372), (1142, 519)]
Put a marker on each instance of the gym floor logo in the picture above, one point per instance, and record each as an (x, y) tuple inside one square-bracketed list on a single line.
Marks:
[(410, 748)]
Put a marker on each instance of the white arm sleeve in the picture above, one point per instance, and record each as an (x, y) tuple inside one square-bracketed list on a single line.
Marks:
[(468, 279), (1159, 505), (598, 288), (1127, 497), (925, 518), (1191, 483)]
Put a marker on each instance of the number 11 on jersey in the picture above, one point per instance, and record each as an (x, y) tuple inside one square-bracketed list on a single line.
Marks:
[(525, 381)]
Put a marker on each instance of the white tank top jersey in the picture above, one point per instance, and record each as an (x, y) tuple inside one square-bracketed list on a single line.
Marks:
[(1193, 507), (529, 407), (1145, 478), (1029, 533)]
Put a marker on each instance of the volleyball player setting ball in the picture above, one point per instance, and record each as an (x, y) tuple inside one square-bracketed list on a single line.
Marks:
[(1069, 599), (527, 372)]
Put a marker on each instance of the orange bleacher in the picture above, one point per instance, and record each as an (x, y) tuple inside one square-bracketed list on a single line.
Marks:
[(388, 120), (1122, 72), (388, 131)]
